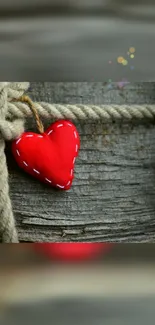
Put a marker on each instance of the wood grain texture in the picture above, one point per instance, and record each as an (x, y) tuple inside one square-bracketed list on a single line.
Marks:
[(113, 195)]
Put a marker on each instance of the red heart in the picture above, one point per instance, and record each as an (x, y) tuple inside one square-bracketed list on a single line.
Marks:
[(50, 157)]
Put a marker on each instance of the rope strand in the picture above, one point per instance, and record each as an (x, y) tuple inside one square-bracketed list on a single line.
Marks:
[(8, 131), (81, 112), (29, 102)]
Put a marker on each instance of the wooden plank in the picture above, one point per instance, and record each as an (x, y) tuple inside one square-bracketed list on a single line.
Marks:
[(112, 198)]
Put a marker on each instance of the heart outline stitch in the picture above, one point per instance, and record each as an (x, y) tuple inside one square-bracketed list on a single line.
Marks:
[(49, 132)]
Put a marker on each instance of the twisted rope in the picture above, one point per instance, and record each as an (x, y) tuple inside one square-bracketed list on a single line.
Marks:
[(8, 131), (83, 112), (15, 107)]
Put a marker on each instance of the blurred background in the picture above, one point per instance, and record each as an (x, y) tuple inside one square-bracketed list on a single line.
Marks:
[(43, 285), (75, 40)]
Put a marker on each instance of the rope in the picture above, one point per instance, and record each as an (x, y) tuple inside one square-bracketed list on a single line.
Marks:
[(29, 102), (15, 107), (8, 131), (81, 112)]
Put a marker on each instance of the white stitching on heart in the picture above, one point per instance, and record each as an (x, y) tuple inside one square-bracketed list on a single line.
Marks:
[(71, 172), (48, 180), (36, 171), (18, 141), (40, 136), (24, 162), (49, 132), (29, 136), (18, 153), (75, 134), (76, 148), (60, 186)]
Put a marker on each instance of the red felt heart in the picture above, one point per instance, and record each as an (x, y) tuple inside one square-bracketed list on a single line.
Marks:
[(50, 157)]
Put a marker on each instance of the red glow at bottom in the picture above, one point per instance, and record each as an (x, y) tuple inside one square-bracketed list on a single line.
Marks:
[(73, 251)]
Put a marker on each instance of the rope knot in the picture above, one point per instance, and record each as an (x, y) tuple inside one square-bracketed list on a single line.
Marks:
[(10, 128)]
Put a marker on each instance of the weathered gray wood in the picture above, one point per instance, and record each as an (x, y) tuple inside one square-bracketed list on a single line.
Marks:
[(113, 195)]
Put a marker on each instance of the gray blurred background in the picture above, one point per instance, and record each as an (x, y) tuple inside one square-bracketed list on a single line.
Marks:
[(116, 289), (75, 40)]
